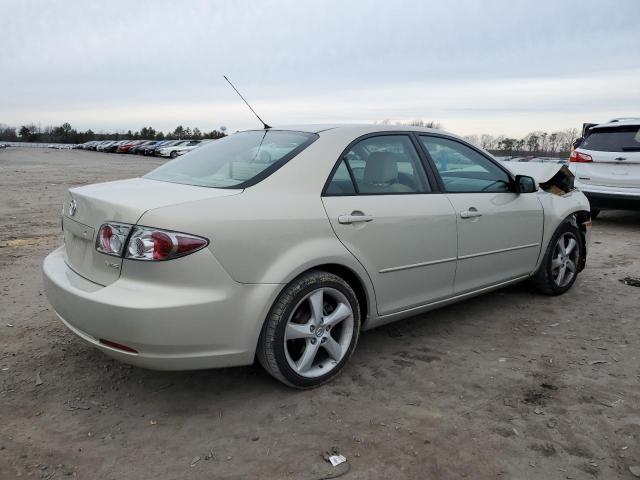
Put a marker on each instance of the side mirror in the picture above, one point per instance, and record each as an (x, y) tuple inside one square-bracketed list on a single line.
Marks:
[(526, 184)]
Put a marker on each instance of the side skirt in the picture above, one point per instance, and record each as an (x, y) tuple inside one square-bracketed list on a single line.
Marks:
[(410, 312)]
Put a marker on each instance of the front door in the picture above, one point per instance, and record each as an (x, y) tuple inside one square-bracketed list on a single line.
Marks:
[(499, 231)]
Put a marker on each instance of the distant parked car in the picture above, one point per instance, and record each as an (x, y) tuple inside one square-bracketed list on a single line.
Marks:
[(4, 145), (104, 145), (166, 143), (87, 145), (178, 149), (113, 147), (124, 148), (607, 165), (137, 149), (149, 149)]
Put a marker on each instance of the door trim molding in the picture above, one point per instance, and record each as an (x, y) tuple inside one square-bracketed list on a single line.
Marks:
[(453, 259), (510, 249), (416, 265)]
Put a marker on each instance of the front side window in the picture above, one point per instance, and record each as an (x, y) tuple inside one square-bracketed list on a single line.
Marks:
[(384, 164), (462, 169), (241, 158)]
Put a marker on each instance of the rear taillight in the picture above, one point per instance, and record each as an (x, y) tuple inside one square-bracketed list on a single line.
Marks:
[(112, 237), (145, 243), (578, 157), (153, 244)]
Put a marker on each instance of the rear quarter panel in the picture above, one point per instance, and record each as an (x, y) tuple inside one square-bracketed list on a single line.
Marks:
[(274, 230)]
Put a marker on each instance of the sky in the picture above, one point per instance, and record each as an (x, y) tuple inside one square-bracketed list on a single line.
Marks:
[(492, 66)]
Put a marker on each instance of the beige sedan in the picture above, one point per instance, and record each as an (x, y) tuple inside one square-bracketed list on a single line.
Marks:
[(286, 243)]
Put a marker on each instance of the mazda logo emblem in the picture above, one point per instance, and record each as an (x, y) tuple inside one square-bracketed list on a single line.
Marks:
[(73, 207)]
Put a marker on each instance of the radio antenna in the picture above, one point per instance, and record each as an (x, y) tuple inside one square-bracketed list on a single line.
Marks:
[(266, 127)]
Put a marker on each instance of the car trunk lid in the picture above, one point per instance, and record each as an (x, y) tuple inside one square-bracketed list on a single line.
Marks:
[(87, 208)]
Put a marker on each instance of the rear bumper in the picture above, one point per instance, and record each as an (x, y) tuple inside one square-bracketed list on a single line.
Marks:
[(618, 201), (172, 327)]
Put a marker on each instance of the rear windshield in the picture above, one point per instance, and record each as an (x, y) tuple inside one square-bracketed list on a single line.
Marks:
[(616, 139), (236, 161)]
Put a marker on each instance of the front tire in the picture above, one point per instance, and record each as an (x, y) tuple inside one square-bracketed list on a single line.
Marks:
[(173, 154), (561, 263), (311, 331)]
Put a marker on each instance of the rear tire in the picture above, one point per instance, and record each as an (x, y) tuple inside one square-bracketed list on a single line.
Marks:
[(561, 263), (311, 330)]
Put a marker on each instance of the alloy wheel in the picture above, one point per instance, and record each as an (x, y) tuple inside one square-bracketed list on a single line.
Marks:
[(564, 262), (318, 332)]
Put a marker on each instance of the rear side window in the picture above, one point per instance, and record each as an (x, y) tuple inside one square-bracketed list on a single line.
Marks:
[(341, 183), (379, 165), (616, 139), (236, 161)]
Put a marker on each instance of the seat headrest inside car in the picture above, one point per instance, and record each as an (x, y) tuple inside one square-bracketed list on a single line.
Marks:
[(381, 168)]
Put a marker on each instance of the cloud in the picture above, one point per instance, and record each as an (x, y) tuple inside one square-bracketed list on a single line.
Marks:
[(496, 66)]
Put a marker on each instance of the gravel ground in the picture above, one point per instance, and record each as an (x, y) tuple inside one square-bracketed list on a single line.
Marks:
[(508, 385)]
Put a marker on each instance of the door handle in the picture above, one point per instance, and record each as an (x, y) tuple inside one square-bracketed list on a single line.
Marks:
[(346, 219), (471, 213)]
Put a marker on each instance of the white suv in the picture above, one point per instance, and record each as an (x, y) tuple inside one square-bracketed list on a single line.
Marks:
[(607, 165)]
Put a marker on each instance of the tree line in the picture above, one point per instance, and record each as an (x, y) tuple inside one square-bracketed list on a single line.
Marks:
[(537, 143), (65, 133)]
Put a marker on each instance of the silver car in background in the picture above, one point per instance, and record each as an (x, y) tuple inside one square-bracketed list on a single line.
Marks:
[(283, 244)]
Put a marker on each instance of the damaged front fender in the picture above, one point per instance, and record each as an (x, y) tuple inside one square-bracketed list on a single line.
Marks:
[(560, 199), (551, 177)]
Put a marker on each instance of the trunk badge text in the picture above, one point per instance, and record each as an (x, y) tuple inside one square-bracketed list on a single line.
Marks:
[(112, 265), (73, 207)]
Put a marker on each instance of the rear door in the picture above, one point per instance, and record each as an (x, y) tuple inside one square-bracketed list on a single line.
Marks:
[(499, 231), (385, 210), (615, 153)]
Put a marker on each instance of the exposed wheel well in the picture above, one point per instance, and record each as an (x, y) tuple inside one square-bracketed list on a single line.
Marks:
[(354, 282), (579, 220)]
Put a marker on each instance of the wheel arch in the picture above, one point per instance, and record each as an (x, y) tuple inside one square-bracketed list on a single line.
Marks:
[(355, 282), (558, 209), (581, 219)]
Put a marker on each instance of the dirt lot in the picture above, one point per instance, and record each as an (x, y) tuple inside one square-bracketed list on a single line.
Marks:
[(509, 385)]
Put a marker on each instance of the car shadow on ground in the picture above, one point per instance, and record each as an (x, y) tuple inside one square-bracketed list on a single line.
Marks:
[(239, 384), (608, 218)]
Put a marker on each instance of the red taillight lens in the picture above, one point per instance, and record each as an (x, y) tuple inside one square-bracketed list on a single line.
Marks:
[(162, 245), (105, 237), (578, 157), (111, 238), (154, 244)]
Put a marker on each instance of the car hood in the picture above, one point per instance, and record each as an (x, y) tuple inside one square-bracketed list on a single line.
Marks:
[(541, 172)]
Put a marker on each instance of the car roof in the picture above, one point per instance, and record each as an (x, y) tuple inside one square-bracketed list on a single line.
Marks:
[(361, 129), (619, 122)]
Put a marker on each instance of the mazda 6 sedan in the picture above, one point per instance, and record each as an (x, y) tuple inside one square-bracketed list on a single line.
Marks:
[(284, 244)]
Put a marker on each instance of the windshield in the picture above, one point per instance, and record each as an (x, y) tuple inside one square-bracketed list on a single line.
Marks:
[(615, 139), (238, 160)]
